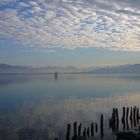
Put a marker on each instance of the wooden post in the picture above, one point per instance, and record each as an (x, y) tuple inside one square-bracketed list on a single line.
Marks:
[(79, 129), (68, 132), (75, 129), (137, 115), (117, 115), (131, 113), (134, 116), (123, 117), (117, 119), (127, 125), (96, 127), (113, 116), (112, 121), (127, 113), (131, 117), (84, 133), (92, 129), (88, 132)]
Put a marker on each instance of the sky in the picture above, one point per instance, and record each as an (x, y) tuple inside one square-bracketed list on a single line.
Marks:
[(80, 33)]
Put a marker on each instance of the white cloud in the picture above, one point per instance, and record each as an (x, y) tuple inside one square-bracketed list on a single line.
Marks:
[(22, 4), (3, 2), (111, 24)]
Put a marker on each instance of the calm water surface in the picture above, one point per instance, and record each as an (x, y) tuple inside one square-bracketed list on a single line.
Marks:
[(43, 102)]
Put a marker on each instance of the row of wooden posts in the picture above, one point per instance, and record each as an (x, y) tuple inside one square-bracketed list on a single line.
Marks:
[(78, 134), (128, 115), (90, 131)]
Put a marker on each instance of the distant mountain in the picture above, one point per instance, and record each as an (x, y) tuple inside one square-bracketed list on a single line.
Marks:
[(6, 66), (10, 69), (135, 68)]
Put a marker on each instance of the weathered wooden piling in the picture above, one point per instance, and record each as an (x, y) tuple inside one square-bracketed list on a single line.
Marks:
[(131, 117), (124, 125), (84, 133), (92, 129), (68, 132), (137, 114), (134, 112), (79, 129), (134, 116), (96, 127), (102, 125), (113, 116), (123, 116), (117, 115), (75, 129), (127, 125), (117, 119), (112, 121), (131, 113), (127, 113), (88, 132)]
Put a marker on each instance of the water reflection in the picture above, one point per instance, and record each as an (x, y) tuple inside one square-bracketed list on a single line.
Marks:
[(52, 116), (41, 106)]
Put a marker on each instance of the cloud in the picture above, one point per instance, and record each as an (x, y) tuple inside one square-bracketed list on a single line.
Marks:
[(3, 2), (71, 24)]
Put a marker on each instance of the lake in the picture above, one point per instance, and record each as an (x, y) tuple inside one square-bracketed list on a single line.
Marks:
[(49, 103)]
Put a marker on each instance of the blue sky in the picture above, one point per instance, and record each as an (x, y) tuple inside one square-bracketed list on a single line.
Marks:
[(82, 33)]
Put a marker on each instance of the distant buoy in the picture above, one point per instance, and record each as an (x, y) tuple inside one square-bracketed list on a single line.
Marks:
[(55, 75)]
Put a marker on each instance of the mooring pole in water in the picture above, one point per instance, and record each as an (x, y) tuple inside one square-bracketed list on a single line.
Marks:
[(79, 129), (88, 132), (112, 121), (134, 116), (96, 127), (131, 117), (75, 128), (123, 116), (127, 113), (68, 132), (92, 129), (55, 75), (137, 115), (117, 119), (131, 113), (84, 133), (74, 131)]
